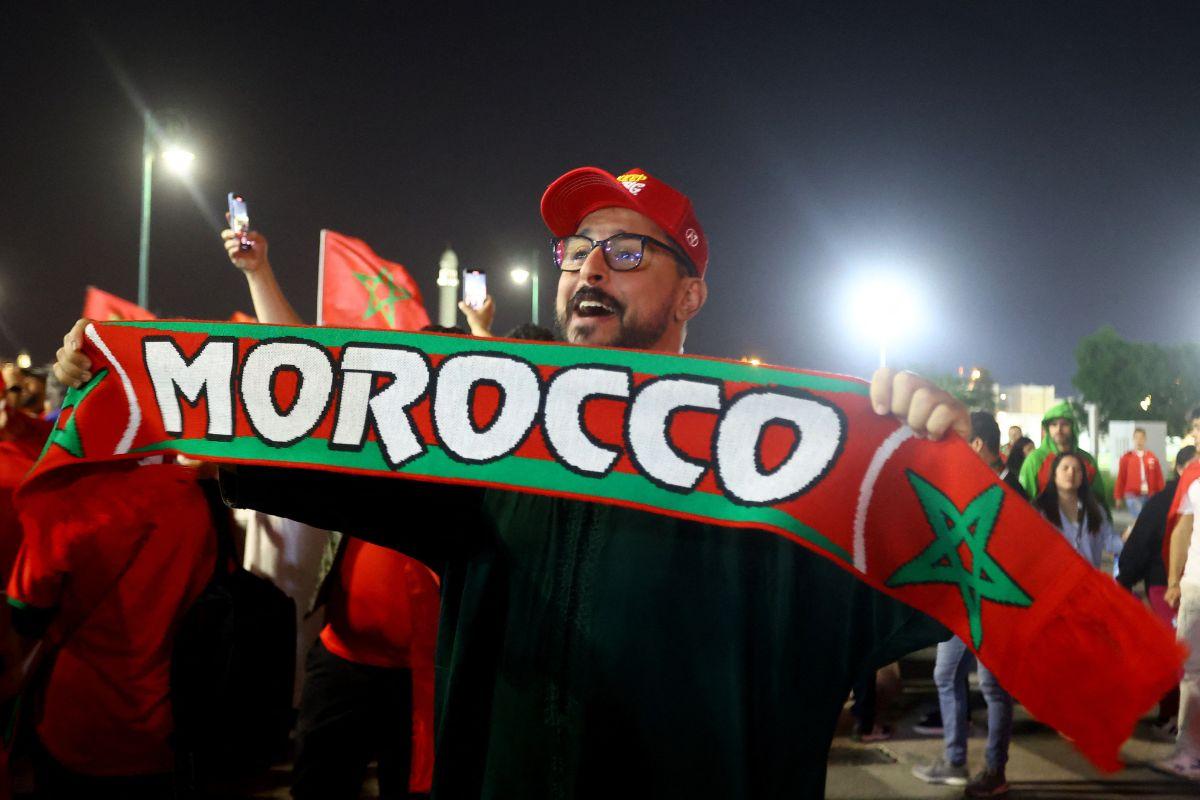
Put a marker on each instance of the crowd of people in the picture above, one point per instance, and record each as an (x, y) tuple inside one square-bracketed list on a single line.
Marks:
[(516, 611)]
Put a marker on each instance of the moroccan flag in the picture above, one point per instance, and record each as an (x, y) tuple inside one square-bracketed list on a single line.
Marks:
[(798, 454), (104, 307), (358, 289)]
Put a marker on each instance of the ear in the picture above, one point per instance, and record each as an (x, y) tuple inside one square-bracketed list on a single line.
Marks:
[(693, 293), (976, 444)]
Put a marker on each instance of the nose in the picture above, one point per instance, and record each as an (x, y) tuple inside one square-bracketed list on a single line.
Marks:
[(595, 269)]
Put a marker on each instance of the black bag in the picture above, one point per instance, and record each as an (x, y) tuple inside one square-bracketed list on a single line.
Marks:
[(233, 667)]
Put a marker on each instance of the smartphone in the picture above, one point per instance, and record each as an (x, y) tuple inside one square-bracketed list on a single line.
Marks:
[(239, 219), (474, 287)]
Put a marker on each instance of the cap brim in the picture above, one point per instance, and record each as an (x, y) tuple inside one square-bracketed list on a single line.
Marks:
[(577, 194)]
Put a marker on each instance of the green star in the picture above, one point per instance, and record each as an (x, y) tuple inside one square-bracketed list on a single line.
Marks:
[(67, 437), (942, 562), (383, 305)]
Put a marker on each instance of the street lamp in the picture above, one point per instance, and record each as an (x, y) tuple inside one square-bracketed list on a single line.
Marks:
[(884, 308), (178, 161), (520, 275)]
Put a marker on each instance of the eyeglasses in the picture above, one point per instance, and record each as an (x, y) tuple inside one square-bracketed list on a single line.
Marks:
[(622, 251)]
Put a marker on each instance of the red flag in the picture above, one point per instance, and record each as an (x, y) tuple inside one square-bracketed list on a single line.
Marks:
[(105, 307), (358, 289)]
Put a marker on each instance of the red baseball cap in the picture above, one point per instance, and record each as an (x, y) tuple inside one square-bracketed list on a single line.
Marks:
[(582, 191)]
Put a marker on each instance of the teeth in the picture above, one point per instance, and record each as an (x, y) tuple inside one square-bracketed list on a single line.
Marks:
[(593, 304)]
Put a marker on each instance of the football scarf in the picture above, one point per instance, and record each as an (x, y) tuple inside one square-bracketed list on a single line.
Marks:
[(800, 454)]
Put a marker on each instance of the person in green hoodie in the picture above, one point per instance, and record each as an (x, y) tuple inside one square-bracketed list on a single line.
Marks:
[(1060, 434)]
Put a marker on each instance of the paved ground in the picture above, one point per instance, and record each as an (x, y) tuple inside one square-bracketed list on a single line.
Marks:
[(1042, 765)]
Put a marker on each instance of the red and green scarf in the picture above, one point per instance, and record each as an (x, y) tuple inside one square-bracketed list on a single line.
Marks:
[(800, 454)]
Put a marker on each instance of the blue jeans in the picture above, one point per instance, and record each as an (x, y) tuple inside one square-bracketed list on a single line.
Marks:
[(950, 673), (1134, 503)]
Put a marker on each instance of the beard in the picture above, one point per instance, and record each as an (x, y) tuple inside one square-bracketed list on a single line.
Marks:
[(639, 332)]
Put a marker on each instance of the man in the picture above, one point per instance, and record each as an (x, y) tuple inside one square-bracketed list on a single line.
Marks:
[(1183, 593), (1014, 435), (952, 667), (1139, 475), (588, 650), (1059, 435)]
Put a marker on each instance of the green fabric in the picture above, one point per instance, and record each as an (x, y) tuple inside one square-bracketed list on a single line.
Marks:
[(1048, 450), (590, 651)]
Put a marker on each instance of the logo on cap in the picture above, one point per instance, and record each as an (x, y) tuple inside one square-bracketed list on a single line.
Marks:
[(693, 238), (633, 181)]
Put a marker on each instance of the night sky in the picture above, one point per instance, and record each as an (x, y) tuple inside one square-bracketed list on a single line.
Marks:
[(1034, 168)]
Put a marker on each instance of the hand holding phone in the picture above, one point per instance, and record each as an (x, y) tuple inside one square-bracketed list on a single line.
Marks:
[(239, 219), (474, 287)]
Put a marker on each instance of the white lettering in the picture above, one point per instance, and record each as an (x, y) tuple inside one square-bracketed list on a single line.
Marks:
[(209, 373), (740, 472), (650, 447), (520, 394), (315, 377), (566, 398), (398, 438)]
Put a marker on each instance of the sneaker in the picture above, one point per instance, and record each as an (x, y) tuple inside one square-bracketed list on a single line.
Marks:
[(942, 772), (930, 724), (1182, 765), (880, 733), (988, 783)]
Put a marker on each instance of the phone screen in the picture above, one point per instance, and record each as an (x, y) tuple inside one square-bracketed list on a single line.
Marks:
[(239, 216), (474, 287)]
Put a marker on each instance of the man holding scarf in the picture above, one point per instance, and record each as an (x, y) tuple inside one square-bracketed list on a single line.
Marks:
[(588, 650)]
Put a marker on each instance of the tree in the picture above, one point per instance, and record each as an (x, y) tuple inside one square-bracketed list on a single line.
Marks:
[(973, 387), (1138, 380)]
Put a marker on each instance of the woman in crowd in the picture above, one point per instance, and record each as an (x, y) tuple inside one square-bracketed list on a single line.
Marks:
[(1069, 504), (1017, 453)]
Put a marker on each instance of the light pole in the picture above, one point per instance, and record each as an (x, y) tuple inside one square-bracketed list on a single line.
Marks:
[(178, 160), (520, 275)]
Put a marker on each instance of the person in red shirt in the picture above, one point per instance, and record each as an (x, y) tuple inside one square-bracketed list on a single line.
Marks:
[(368, 674), (1139, 475), (104, 587)]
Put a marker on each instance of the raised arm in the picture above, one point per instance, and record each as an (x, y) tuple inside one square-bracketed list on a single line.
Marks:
[(270, 303)]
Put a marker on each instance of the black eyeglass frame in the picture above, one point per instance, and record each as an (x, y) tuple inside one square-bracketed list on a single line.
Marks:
[(604, 244)]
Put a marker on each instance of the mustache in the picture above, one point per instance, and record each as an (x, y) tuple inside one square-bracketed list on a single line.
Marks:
[(596, 295)]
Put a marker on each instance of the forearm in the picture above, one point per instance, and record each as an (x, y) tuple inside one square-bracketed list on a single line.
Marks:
[(1181, 540), (391, 512), (270, 303)]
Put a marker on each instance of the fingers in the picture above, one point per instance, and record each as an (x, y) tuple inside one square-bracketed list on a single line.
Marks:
[(918, 403), (71, 366), (881, 390)]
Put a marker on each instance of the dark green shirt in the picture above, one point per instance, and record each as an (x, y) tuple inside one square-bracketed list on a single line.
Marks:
[(593, 651)]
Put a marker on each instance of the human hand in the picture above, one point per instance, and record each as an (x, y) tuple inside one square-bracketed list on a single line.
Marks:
[(931, 412), (72, 367), (248, 261), (1171, 596), (479, 319)]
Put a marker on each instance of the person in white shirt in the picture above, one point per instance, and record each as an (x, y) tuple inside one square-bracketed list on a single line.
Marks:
[(1183, 593)]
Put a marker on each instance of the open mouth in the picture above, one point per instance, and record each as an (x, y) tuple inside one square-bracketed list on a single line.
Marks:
[(593, 306)]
